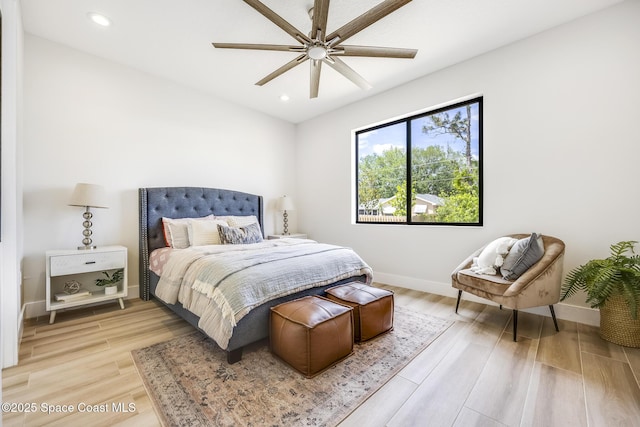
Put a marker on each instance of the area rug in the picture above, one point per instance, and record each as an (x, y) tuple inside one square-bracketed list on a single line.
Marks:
[(191, 383)]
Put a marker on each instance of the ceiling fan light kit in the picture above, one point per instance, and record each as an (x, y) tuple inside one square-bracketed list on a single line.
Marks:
[(320, 48), (317, 52)]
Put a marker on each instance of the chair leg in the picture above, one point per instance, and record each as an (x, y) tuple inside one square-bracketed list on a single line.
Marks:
[(458, 303), (553, 315), (515, 325)]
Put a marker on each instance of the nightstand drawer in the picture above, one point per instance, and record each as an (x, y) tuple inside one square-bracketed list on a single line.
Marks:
[(82, 263)]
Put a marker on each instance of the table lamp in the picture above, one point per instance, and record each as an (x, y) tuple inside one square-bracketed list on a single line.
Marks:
[(285, 204), (88, 196)]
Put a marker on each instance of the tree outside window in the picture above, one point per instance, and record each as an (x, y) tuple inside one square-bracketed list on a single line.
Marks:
[(425, 169)]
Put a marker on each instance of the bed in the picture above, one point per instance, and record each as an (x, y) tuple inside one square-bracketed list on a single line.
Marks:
[(196, 202)]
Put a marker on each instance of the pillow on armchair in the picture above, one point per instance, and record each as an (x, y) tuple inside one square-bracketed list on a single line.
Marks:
[(523, 254), (492, 256)]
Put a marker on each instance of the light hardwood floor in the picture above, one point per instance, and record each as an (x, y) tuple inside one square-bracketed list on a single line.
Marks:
[(472, 375)]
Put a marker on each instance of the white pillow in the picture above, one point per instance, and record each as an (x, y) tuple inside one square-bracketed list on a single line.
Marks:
[(238, 220), (176, 234), (492, 256), (203, 233)]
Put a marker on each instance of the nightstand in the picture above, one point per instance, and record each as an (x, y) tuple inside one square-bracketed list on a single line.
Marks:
[(282, 236), (83, 267)]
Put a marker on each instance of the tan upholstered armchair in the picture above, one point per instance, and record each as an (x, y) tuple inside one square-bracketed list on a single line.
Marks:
[(539, 285)]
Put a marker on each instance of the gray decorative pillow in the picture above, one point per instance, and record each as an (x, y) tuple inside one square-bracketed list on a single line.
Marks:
[(238, 235), (523, 254)]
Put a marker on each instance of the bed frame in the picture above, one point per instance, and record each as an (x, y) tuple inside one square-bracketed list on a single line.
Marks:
[(192, 202)]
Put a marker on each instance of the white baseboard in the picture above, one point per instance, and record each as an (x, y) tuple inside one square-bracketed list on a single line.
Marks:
[(21, 322), (34, 309), (586, 315), (38, 308)]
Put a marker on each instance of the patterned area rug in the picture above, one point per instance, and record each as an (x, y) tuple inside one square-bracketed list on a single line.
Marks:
[(191, 383)]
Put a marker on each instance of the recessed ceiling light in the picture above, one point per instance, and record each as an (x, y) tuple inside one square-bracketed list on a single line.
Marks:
[(99, 19), (284, 97)]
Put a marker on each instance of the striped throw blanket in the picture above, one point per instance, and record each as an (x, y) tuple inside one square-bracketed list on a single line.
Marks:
[(222, 283)]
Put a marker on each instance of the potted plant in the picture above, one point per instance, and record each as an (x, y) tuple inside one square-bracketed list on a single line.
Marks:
[(613, 286), (110, 281)]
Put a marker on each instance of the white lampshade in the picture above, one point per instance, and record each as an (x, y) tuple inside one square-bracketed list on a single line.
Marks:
[(89, 195), (285, 204)]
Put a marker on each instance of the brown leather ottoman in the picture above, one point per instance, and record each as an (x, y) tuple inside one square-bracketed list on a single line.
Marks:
[(372, 308), (311, 333)]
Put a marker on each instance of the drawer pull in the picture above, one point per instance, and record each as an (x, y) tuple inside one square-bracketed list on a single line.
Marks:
[(90, 262)]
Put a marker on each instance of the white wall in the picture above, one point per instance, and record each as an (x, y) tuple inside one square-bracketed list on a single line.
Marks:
[(11, 218), (92, 120), (561, 150)]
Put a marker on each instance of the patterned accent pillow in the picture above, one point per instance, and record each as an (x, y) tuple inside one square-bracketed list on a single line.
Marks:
[(239, 235)]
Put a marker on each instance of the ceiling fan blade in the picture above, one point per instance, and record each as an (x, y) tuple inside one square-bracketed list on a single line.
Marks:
[(278, 20), (286, 67), (348, 72), (259, 46), (320, 15), (364, 20), (316, 66), (375, 51)]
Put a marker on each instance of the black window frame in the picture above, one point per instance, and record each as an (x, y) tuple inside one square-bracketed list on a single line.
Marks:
[(408, 147)]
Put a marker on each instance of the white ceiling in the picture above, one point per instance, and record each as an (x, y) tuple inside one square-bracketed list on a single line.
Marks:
[(172, 39)]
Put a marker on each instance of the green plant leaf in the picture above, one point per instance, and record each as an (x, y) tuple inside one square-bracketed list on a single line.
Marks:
[(619, 274), (112, 279)]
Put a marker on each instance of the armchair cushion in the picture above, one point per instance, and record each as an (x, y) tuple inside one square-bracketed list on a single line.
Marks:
[(523, 254), (489, 283)]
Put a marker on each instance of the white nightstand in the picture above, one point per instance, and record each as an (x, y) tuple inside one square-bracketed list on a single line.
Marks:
[(282, 236), (84, 267)]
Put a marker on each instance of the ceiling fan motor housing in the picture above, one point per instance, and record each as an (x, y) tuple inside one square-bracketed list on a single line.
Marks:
[(320, 47)]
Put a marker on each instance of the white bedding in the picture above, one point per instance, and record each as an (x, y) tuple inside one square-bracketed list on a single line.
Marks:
[(222, 283)]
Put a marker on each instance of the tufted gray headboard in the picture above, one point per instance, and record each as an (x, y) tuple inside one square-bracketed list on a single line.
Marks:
[(185, 202)]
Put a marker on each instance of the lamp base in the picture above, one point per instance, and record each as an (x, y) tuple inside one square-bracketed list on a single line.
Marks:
[(87, 242), (285, 219)]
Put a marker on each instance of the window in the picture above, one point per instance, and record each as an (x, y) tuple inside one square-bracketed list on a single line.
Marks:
[(423, 169)]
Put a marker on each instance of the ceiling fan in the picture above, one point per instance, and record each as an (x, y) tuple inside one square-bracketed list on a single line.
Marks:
[(320, 47)]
